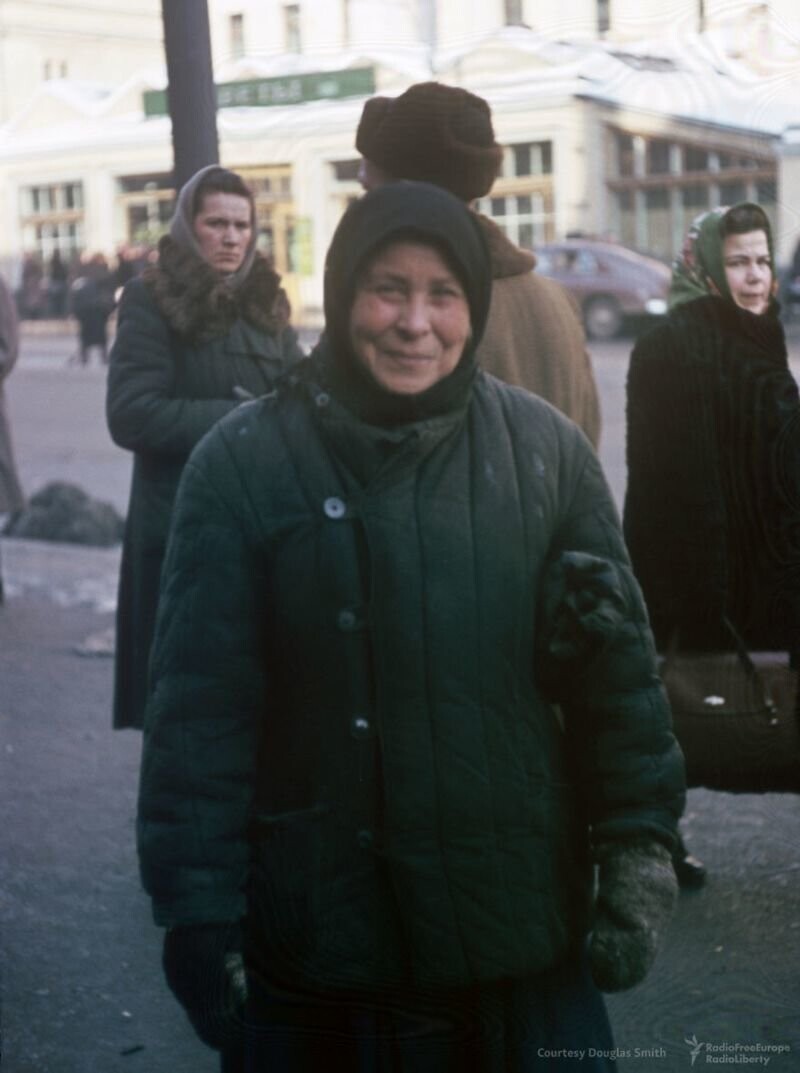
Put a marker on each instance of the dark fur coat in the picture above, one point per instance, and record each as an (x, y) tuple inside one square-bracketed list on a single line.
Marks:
[(712, 511), (197, 302)]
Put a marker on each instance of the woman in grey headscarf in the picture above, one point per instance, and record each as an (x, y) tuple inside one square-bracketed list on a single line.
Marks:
[(200, 330)]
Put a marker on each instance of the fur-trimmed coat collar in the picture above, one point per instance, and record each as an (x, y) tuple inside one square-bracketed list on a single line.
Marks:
[(197, 302), (507, 259)]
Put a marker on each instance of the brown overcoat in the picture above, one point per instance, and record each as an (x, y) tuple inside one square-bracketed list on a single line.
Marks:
[(12, 497), (534, 337)]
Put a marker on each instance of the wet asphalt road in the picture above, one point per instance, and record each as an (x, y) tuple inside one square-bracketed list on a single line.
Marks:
[(81, 984)]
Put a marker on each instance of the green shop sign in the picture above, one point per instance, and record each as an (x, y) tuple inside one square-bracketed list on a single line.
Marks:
[(289, 89)]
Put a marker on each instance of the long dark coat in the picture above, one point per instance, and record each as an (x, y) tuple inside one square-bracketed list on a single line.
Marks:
[(183, 345), (712, 510), (352, 735), (11, 494)]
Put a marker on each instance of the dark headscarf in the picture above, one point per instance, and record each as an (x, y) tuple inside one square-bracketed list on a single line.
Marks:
[(700, 268), (181, 228), (403, 211)]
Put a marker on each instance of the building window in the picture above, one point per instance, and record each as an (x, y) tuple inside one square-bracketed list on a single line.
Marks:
[(148, 202), (47, 71), (291, 22), (657, 157), (513, 12), (63, 69), (236, 34), (275, 217), (603, 16), (52, 219), (658, 186), (521, 200)]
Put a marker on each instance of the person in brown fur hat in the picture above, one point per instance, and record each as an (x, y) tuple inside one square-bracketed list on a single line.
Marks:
[(443, 134), (202, 329)]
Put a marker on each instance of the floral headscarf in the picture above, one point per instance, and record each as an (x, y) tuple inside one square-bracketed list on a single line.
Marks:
[(699, 270)]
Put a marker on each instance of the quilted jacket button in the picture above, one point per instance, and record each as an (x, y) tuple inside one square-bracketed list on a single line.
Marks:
[(347, 620), (334, 508), (322, 399), (365, 839), (361, 728)]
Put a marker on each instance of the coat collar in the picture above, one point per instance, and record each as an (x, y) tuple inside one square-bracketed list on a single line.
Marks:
[(198, 303), (507, 259)]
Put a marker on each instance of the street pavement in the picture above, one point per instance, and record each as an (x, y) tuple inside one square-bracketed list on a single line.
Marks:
[(82, 989)]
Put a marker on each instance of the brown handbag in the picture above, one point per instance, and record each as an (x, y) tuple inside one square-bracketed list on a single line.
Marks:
[(735, 716)]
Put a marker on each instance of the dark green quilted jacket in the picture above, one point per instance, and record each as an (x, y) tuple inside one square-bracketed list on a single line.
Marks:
[(353, 736)]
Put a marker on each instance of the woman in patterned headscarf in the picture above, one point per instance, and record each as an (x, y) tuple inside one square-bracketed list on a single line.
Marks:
[(712, 505)]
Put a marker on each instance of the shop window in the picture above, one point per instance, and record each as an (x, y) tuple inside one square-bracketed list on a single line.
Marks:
[(626, 218), (766, 193), (623, 144), (51, 216), (236, 35), (148, 202), (695, 159), (658, 157), (659, 238), (655, 217), (345, 171), (730, 193), (291, 24)]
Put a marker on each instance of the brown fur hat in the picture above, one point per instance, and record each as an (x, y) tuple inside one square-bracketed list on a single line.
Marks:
[(432, 133)]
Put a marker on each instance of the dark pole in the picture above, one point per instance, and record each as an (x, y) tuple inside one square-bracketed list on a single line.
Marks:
[(192, 100)]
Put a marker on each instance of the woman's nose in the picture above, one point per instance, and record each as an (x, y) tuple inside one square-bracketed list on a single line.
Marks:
[(415, 317)]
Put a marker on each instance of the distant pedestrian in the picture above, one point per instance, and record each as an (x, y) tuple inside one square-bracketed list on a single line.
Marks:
[(57, 286), (534, 338), (200, 330), (92, 303), (12, 498), (712, 510), (31, 297)]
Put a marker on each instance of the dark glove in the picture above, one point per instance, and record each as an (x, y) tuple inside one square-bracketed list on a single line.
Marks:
[(635, 900), (205, 970)]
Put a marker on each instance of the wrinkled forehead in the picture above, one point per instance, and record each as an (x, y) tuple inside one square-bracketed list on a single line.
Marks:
[(751, 243), (407, 251)]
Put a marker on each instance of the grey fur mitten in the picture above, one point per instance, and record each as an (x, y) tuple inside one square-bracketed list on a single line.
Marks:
[(636, 896)]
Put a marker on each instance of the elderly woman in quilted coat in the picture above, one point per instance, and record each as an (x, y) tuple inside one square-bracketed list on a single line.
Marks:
[(203, 328), (404, 699)]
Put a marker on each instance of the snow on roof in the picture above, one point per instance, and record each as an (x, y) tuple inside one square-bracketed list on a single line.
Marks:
[(685, 76)]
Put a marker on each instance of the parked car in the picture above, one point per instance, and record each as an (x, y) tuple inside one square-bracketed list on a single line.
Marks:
[(611, 283)]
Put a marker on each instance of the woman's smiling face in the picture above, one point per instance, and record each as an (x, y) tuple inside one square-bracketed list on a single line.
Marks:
[(410, 319)]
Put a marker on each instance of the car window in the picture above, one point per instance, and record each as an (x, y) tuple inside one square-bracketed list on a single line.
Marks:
[(585, 264)]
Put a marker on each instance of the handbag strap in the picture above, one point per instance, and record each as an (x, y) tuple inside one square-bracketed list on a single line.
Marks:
[(673, 647)]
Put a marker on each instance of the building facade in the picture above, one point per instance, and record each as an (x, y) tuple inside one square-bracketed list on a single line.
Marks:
[(621, 120)]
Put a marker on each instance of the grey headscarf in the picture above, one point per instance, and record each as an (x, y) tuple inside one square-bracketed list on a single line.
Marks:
[(181, 228)]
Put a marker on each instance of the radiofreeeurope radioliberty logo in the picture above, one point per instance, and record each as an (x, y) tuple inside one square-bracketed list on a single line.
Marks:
[(734, 1054), (696, 1048)]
